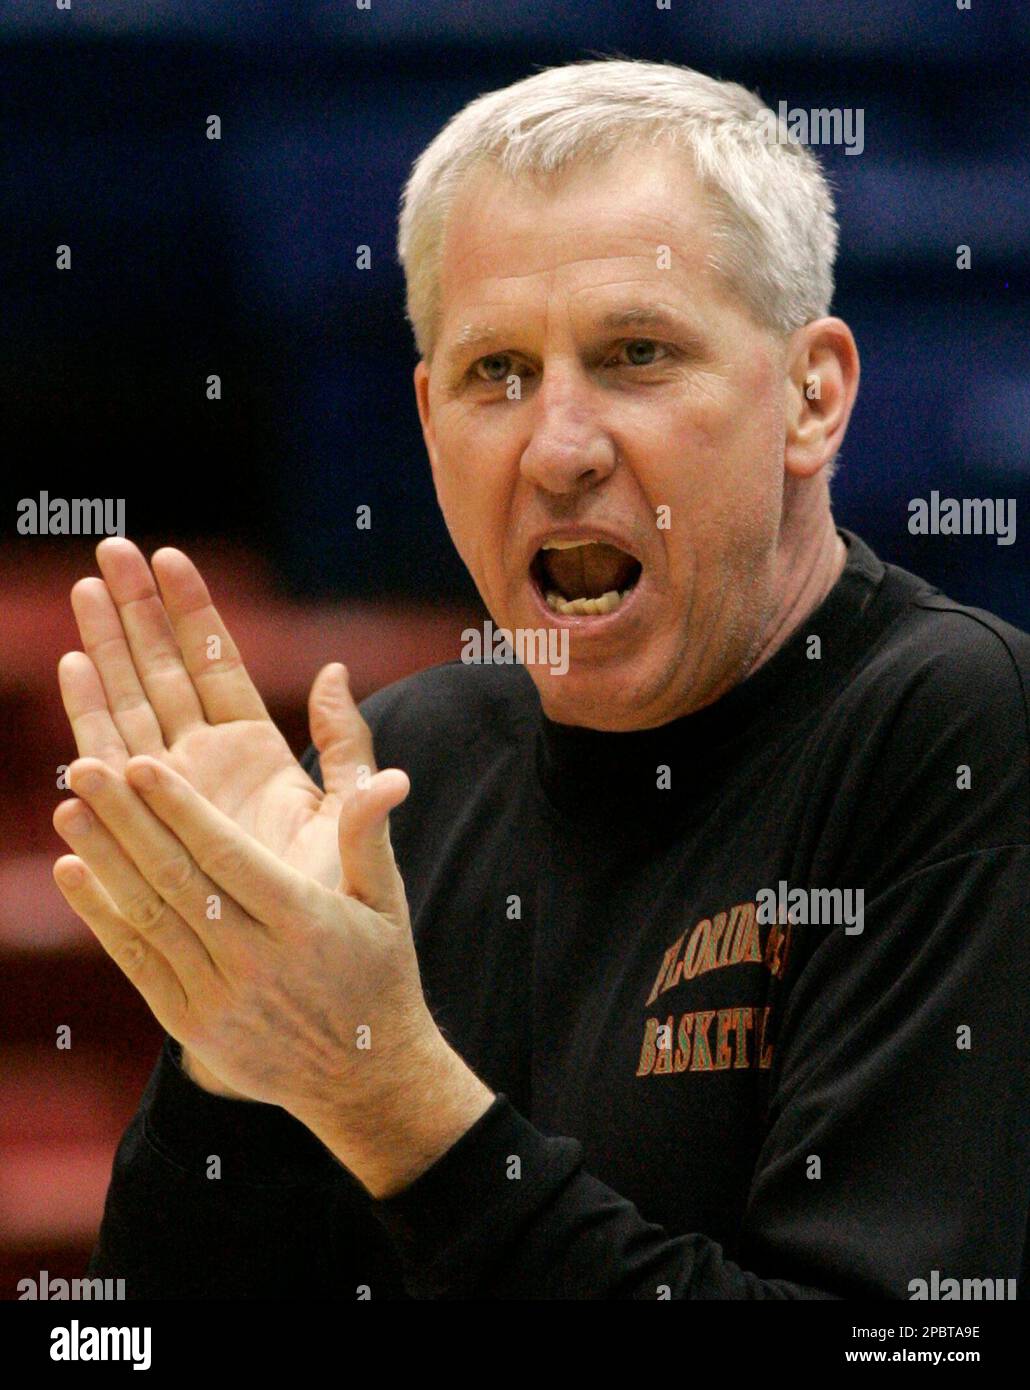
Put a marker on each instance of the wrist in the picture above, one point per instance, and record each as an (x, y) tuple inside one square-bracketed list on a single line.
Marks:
[(397, 1136), (200, 1076)]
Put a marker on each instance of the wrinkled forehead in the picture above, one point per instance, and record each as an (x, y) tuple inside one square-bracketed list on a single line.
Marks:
[(640, 216)]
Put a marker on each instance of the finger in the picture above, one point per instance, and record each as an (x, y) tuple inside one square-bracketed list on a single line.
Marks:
[(103, 640), (366, 855), (211, 656), (143, 966), (161, 859), (85, 704), (152, 643), (343, 739), (141, 909), (270, 892)]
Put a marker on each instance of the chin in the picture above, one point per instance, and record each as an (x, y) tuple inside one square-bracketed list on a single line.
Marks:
[(589, 698)]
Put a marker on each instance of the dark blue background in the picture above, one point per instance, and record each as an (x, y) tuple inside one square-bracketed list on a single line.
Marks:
[(238, 257)]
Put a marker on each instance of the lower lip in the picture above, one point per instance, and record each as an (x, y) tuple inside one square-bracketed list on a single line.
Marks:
[(588, 624)]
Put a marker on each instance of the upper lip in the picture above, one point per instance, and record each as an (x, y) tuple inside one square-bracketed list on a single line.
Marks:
[(582, 533)]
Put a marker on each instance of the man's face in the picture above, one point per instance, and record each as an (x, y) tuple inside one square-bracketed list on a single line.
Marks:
[(647, 415)]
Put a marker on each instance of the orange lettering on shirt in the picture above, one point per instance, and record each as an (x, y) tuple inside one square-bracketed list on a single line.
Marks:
[(682, 1059), (722, 1042), (764, 1053), (702, 1060), (669, 968), (648, 1052)]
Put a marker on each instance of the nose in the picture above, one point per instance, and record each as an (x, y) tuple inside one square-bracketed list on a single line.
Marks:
[(569, 452)]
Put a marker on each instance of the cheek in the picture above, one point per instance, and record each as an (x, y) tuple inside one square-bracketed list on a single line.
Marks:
[(472, 490), (736, 419), (731, 440), (717, 463)]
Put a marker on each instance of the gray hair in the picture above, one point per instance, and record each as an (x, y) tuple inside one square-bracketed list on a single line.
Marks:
[(774, 222)]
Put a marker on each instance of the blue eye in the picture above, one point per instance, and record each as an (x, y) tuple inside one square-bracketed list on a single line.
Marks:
[(497, 367), (496, 358), (649, 346)]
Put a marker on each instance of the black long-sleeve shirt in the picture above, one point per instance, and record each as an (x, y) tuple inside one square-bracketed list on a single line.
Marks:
[(694, 1099)]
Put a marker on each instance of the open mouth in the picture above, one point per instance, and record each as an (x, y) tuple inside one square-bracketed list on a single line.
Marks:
[(583, 578)]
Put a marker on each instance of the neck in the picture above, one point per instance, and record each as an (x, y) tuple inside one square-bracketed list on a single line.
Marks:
[(808, 565)]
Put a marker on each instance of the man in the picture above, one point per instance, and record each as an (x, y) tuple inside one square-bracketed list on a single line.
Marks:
[(703, 978)]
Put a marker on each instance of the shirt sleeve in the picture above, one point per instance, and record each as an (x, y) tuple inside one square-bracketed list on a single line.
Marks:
[(213, 1197), (896, 1145)]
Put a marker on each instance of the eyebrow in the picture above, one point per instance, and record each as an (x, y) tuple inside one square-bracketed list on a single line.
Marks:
[(638, 316)]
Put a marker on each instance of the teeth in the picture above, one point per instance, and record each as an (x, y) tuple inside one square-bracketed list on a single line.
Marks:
[(565, 545), (607, 603)]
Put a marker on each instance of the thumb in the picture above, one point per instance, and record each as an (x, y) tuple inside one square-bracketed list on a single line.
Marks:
[(369, 870), (337, 729)]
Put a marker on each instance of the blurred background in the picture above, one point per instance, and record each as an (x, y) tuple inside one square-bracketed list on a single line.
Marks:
[(238, 257)]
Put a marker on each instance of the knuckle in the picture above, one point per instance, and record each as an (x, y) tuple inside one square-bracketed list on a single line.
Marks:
[(226, 860), (130, 957), (175, 875), (143, 910)]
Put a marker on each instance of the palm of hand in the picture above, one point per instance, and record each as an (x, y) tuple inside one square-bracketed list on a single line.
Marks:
[(247, 770), (145, 685)]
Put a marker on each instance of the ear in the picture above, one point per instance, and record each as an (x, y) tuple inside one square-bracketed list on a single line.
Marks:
[(821, 385), (421, 380)]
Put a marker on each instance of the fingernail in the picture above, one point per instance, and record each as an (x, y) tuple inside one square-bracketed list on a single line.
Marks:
[(89, 782), (80, 822)]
